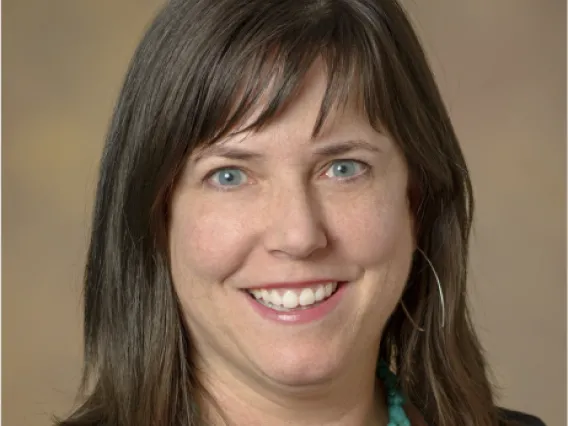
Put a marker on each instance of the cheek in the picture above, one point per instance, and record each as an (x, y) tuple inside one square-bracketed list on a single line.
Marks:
[(376, 228), (206, 243)]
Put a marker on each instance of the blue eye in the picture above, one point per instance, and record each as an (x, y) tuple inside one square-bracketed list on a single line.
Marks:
[(345, 169), (228, 177)]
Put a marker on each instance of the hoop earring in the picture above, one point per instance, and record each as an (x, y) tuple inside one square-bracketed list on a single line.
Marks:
[(440, 292), (416, 326)]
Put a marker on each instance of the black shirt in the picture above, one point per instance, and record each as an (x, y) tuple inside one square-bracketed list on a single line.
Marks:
[(522, 419)]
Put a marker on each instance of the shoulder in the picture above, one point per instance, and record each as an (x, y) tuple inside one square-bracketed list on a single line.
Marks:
[(521, 419)]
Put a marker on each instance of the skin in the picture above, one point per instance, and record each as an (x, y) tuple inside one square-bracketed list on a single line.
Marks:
[(293, 217)]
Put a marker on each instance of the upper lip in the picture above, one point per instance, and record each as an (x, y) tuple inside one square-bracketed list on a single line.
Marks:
[(295, 284)]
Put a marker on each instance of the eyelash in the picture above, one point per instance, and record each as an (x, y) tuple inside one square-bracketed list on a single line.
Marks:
[(365, 170)]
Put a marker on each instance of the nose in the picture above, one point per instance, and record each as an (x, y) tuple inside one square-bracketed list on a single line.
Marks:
[(295, 227)]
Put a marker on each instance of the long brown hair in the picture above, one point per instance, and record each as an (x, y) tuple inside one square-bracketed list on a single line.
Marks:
[(199, 70)]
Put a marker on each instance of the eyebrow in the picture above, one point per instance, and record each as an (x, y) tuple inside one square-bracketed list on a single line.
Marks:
[(330, 150)]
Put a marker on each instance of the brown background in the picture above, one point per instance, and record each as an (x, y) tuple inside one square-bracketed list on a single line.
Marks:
[(501, 65)]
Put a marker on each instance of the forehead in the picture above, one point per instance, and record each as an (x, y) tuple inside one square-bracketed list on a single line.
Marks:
[(318, 100), (298, 116), (308, 102)]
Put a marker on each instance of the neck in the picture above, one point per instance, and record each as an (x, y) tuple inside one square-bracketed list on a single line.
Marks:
[(355, 399)]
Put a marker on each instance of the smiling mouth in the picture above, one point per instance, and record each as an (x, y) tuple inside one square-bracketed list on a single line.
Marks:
[(287, 300)]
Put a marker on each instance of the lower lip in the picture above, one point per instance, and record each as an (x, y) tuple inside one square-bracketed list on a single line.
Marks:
[(300, 316)]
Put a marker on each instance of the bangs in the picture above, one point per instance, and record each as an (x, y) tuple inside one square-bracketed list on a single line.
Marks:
[(264, 60), (229, 67)]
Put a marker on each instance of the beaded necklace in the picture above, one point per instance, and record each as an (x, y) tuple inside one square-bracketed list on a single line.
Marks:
[(395, 399)]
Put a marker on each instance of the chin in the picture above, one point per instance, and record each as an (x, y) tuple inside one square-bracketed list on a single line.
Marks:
[(300, 369)]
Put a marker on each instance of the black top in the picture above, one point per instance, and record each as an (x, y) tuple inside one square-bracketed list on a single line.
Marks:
[(522, 419)]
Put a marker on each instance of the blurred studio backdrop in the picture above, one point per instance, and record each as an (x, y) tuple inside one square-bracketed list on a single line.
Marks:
[(501, 66)]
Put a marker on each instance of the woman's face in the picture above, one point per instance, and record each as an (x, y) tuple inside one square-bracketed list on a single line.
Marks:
[(283, 214)]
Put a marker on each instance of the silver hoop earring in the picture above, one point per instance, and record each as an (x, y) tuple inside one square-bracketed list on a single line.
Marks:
[(440, 292)]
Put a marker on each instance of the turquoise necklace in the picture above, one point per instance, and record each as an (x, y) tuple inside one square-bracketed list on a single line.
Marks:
[(395, 399)]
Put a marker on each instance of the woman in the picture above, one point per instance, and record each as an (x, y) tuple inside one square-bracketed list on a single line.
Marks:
[(281, 224)]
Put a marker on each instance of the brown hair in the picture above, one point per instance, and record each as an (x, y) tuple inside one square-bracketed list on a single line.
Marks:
[(199, 70)]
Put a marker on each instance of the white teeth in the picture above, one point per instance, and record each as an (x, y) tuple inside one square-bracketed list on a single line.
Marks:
[(307, 297), (290, 300), (320, 293), (282, 299), (275, 298)]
